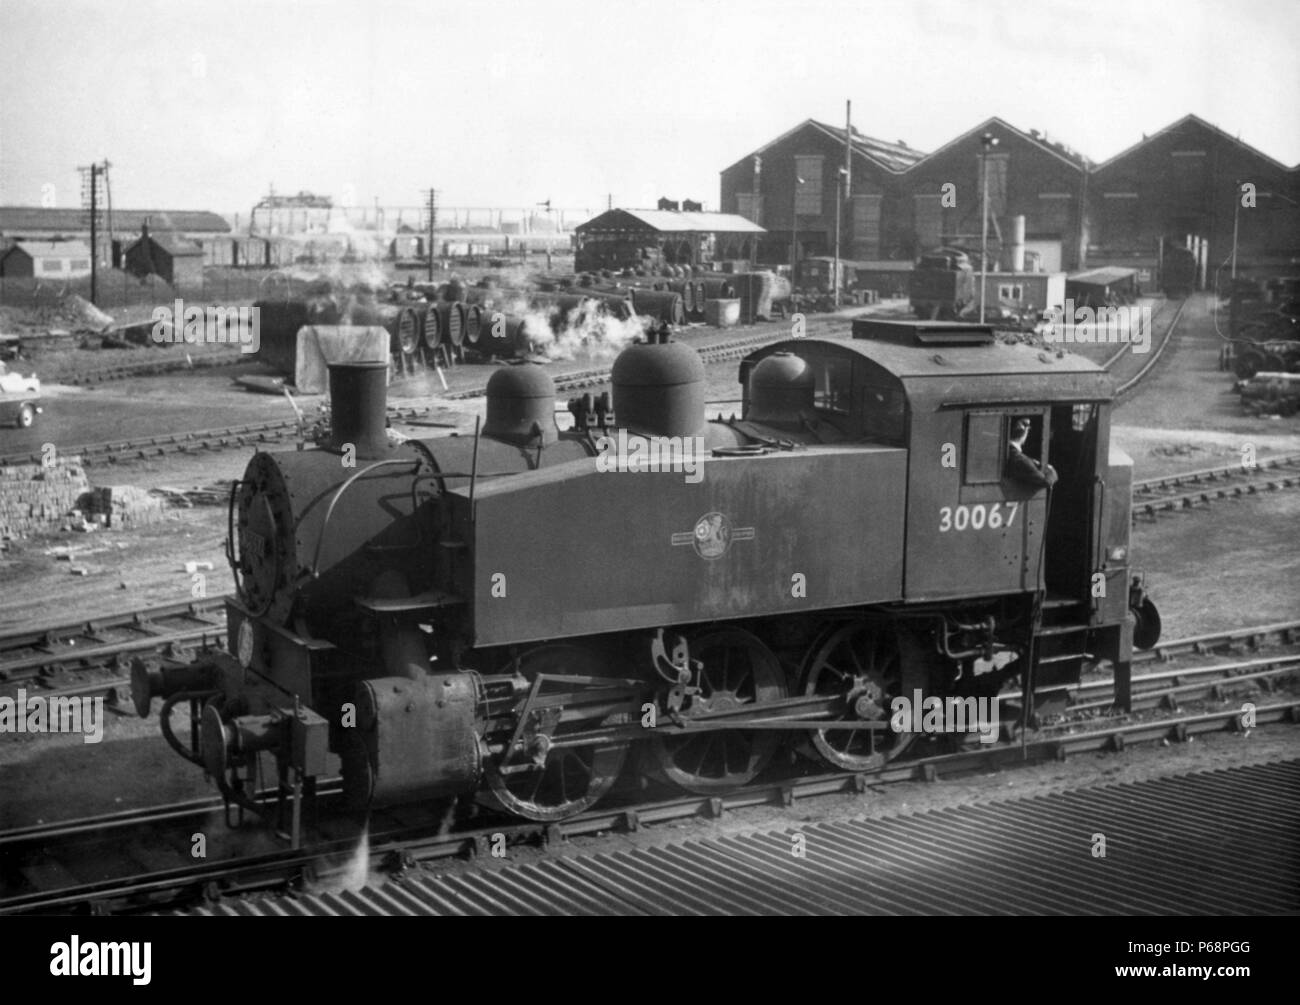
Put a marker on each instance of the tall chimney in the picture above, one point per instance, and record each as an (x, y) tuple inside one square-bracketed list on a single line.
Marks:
[(359, 408)]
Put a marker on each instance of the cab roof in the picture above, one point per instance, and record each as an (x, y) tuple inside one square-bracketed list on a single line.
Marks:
[(943, 365)]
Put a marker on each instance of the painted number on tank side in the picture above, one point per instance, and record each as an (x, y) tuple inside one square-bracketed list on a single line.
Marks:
[(977, 517)]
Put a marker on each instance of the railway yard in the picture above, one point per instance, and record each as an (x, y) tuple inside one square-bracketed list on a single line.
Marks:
[(111, 823), (673, 460)]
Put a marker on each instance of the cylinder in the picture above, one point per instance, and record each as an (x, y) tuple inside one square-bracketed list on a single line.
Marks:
[(408, 329), (718, 289), (359, 408), (451, 321), (414, 740), (432, 332), (660, 306), (474, 321), (686, 288)]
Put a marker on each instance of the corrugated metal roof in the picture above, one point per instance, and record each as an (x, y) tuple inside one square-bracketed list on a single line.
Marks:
[(896, 156), (20, 219), (54, 249), (1179, 836), (669, 221), (1103, 276)]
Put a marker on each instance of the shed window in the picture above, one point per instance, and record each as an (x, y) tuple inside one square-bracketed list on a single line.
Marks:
[(808, 196), (986, 448)]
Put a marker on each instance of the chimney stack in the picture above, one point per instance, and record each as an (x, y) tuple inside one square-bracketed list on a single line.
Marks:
[(359, 408)]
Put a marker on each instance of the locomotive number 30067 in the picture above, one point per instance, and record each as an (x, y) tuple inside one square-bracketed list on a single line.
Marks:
[(977, 517)]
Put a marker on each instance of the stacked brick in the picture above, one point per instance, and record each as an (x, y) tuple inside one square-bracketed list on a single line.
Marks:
[(38, 499), (123, 506), (35, 498)]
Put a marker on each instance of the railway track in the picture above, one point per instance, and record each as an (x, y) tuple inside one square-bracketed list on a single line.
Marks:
[(54, 653), (1127, 386), (142, 860), (1192, 489), (173, 363)]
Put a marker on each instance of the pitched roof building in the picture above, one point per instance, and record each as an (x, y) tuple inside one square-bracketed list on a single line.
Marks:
[(1181, 185), (46, 260)]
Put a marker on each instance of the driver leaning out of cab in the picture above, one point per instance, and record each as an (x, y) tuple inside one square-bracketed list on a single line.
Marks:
[(1020, 466)]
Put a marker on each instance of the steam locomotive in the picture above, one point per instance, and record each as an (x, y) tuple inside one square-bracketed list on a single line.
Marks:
[(942, 284), (508, 616)]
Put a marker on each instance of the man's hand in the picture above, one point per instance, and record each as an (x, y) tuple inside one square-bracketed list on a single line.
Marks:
[(1050, 474)]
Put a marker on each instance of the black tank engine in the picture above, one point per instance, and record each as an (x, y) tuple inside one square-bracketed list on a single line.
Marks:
[(512, 614)]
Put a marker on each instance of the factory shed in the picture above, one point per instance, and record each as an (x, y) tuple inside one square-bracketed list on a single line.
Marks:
[(622, 238)]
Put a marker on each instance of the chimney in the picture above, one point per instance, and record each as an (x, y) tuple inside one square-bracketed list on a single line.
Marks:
[(359, 408), (1017, 244)]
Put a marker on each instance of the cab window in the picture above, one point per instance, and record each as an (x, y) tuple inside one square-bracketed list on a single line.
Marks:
[(884, 414), (834, 387), (986, 447)]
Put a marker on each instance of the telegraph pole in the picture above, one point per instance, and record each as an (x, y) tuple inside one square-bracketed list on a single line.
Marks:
[(988, 141), (842, 183), (95, 171), (94, 247), (433, 223)]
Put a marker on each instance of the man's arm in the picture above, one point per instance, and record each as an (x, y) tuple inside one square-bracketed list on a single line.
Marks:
[(1025, 470)]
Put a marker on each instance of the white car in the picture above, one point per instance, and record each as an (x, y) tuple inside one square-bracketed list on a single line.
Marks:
[(19, 398)]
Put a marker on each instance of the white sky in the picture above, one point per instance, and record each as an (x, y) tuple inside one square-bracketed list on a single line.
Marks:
[(203, 103)]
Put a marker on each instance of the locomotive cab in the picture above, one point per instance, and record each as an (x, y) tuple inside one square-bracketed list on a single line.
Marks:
[(1052, 560)]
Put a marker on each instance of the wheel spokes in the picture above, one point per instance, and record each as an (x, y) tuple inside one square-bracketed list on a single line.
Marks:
[(738, 669), (877, 665), (569, 779)]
